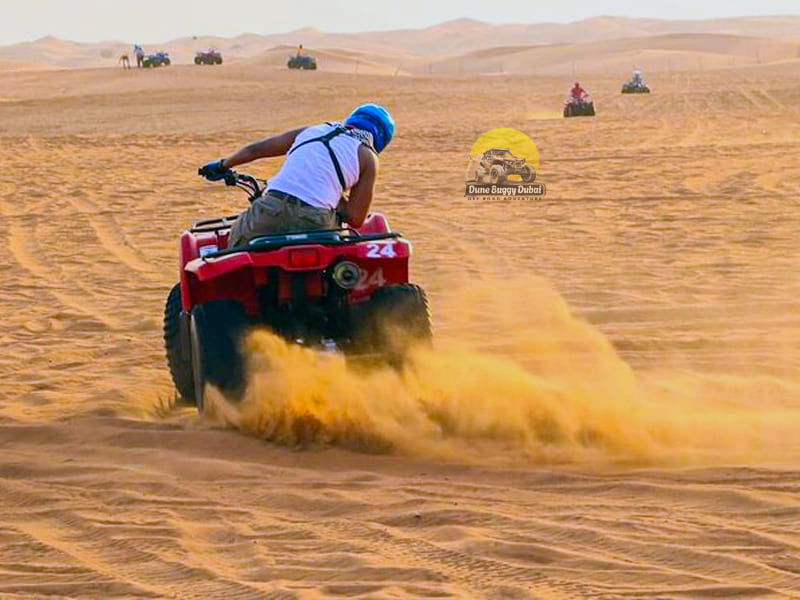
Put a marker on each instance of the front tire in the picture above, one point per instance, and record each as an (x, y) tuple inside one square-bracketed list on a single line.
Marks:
[(528, 174), (216, 330), (497, 174)]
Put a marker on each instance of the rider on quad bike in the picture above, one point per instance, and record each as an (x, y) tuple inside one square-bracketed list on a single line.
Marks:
[(579, 103), (578, 93), (322, 162), (288, 266)]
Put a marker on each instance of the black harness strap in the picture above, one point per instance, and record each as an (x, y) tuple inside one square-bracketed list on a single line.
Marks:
[(326, 139)]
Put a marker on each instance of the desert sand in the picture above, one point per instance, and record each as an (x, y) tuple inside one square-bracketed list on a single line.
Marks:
[(612, 409)]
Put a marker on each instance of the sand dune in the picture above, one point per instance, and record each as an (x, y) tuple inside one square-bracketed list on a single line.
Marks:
[(605, 43), (56, 53), (612, 411), (674, 52), (464, 35)]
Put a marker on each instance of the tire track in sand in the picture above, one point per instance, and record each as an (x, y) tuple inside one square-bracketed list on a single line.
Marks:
[(110, 236), (20, 248), (87, 543), (479, 573)]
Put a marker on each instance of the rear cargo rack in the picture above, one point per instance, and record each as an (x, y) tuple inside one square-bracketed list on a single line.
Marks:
[(207, 225), (326, 237)]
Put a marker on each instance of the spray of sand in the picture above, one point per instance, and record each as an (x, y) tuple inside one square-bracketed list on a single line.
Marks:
[(514, 377)]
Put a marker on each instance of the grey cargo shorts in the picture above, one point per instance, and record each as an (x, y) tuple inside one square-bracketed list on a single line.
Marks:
[(275, 213)]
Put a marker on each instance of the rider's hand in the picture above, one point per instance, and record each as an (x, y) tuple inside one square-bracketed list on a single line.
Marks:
[(213, 171)]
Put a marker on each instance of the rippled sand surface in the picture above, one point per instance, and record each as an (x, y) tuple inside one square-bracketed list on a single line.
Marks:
[(612, 410)]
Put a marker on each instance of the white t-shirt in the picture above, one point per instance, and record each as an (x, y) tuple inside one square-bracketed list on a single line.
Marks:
[(308, 173)]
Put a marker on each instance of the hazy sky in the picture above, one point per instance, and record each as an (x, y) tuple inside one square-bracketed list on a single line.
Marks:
[(161, 20)]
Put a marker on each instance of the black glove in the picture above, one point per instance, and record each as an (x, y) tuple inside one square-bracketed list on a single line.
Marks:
[(213, 171)]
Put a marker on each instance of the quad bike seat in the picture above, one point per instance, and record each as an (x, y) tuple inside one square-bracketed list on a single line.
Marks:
[(374, 227), (265, 242)]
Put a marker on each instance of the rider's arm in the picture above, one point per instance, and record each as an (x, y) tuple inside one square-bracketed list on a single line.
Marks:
[(277, 145), (356, 208)]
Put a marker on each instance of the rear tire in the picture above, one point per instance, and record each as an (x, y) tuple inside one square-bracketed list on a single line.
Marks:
[(178, 357), (217, 329), (398, 319)]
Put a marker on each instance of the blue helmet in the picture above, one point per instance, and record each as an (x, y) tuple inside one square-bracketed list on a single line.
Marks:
[(376, 120)]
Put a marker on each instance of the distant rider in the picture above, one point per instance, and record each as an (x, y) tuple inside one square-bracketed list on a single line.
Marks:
[(578, 93), (138, 51), (322, 162)]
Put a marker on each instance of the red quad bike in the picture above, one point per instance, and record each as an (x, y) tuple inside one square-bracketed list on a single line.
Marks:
[(344, 289), (579, 107), (210, 57)]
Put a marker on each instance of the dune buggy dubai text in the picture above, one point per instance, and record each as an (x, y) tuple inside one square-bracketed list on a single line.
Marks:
[(533, 190)]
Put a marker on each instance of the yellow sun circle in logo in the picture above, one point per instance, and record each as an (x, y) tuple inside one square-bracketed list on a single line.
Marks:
[(516, 142)]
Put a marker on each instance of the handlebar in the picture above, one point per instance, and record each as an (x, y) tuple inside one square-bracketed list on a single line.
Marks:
[(254, 187)]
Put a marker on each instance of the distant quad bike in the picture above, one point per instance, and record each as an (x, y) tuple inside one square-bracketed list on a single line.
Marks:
[(498, 163), (302, 61), (636, 85), (159, 59), (210, 57), (344, 290), (579, 107)]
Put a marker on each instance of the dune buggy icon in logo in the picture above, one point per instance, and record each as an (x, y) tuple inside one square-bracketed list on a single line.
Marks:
[(503, 163)]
